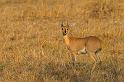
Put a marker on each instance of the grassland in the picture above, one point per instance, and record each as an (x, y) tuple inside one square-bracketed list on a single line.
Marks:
[(32, 47)]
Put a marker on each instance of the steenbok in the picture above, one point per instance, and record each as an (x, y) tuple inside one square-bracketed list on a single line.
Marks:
[(90, 45)]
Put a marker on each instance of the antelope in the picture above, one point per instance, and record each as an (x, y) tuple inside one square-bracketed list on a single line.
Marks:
[(90, 45)]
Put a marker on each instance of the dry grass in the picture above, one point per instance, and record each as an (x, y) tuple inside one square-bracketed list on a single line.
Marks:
[(32, 47)]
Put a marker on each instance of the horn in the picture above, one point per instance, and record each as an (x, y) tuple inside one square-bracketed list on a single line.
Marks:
[(62, 24), (67, 24)]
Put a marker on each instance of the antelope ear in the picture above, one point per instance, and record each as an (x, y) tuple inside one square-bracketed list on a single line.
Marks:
[(72, 24), (62, 25), (67, 24)]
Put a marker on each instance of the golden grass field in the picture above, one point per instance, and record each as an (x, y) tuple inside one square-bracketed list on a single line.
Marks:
[(32, 47)]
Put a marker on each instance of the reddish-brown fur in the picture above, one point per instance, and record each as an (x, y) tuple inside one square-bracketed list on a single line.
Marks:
[(90, 45)]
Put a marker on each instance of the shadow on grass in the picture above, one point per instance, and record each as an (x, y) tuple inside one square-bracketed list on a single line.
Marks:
[(77, 73), (81, 72)]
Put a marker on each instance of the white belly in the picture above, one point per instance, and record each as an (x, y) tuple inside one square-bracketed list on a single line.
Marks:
[(82, 51)]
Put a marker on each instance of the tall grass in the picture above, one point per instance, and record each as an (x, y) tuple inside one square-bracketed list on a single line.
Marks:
[(32, 47)]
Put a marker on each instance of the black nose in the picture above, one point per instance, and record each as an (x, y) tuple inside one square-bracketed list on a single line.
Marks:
[(65, 31)]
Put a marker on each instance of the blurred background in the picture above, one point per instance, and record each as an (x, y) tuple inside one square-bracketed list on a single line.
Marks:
[(32, 47)]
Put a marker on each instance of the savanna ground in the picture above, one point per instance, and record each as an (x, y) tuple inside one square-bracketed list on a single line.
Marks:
[(32, 47)]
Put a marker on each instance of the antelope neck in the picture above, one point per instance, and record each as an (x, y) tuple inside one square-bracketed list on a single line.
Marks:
[(66, 38)]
